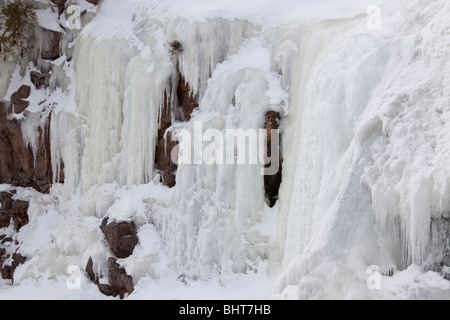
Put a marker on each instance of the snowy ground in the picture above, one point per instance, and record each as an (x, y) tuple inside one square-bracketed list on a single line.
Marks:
[(168, 287)]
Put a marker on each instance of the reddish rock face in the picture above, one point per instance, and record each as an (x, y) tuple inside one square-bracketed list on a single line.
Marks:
[(14, 210), (7, 271), (94, 2), (90, 271), (121, 237), (272, 183), (18, 165), (18, 259), (49, 48), (62, 4), (24, 91), (17, 212), (40, 79), (187, 102), (120, 283), (165, 145), (163, 160)]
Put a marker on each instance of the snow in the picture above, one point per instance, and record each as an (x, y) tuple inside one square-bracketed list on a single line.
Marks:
[(365, 149), (352, 182), (56, 289), (47, 18), (254, 286), (265, 12)]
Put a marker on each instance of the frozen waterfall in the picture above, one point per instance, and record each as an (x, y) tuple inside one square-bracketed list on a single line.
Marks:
[(365, 133)]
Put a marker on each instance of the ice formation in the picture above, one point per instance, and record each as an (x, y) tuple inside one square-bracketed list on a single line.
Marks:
[(365, 148)]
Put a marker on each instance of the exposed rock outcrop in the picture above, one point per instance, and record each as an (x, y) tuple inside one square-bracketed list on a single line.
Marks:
[(90, 271), (17, 99), (10, 258), (19, 165), (16, 212), (13, 210), (49, 44), (186, 99), (61, 4), (165, 145), (182, 111), (120, 283), (121, 237), (272, 182), (40, 79), (7, 271)]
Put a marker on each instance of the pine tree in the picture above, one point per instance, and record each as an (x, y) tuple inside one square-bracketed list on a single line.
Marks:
[(17, 20)]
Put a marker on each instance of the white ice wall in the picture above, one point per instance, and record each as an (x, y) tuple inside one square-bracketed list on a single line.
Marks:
[(366, 157), (120, 87)]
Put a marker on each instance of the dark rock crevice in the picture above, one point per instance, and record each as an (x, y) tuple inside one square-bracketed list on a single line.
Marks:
[(48, 44), (7, 271), (179, 108), (13, 210), (120, 283), (40, 80), (17, 99), (165, 145), (272, 182), (187, 101)]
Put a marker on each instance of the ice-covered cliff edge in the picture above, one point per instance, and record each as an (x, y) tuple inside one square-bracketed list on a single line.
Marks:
[(365, 148)]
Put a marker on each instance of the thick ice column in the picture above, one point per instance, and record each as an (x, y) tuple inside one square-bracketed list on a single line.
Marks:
[(101, 67), (142, 100), (323, 206), (206, 44), (212, 225)]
